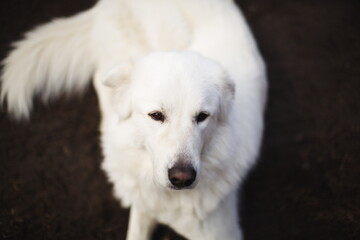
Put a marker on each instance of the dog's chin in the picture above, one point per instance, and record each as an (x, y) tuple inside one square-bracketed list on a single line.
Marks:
[(172, 187)]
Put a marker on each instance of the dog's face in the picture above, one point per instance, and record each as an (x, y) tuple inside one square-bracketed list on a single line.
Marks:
[(175, 100)]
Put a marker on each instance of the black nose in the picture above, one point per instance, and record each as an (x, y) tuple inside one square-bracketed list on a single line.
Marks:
[(182, 175)]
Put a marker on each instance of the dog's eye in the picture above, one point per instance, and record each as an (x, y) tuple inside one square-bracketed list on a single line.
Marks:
[(157, 116), (202, 117)]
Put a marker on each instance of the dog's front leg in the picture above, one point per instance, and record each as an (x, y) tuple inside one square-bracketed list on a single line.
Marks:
[(141, 225)]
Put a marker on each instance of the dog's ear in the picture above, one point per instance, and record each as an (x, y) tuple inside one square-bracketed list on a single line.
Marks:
[(118, 75), (119, 78), (227, 97)]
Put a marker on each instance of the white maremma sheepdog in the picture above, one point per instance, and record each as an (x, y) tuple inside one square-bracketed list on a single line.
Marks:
[(182, 89)]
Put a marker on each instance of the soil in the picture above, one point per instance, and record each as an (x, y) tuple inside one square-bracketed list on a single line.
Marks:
[(306, 184)]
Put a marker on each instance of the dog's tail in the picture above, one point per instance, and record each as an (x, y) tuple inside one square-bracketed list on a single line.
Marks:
[(51, 59)]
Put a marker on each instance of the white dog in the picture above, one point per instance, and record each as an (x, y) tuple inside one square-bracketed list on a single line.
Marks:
[(182, 89)]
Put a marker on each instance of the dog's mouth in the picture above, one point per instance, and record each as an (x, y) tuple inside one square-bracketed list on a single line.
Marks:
[(172, 187)]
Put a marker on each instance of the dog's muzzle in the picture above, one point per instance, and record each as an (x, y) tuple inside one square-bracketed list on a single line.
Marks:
[(182, 175)]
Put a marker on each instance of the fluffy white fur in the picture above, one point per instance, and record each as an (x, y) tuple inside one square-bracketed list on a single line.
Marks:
[(179, 57)]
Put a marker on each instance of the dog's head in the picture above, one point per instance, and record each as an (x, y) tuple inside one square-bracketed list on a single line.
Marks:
[(176, 100)]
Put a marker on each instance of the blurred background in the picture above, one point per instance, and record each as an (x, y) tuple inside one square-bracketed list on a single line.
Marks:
[(305, 186)]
